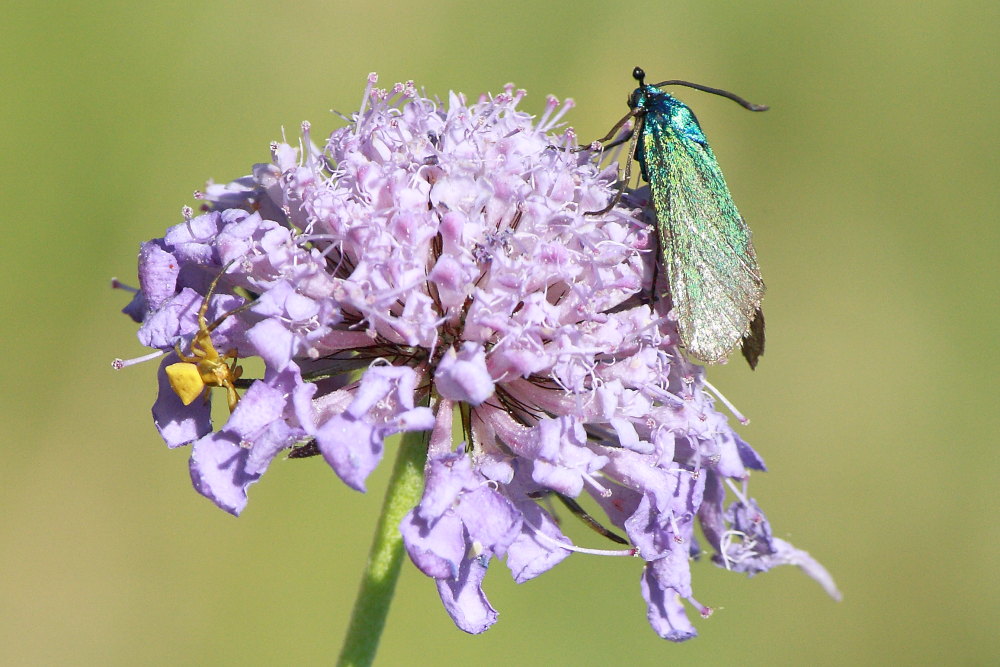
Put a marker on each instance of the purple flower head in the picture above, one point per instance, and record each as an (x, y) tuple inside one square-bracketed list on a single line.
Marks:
[(434, 261)]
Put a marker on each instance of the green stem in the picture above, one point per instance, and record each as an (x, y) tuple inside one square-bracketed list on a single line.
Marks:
[(386, 556)]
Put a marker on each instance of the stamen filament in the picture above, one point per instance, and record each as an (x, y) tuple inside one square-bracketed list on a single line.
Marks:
[(634, 551), (725, 401), (119, 364)]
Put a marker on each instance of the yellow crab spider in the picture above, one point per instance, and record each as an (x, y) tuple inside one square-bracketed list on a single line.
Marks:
[(195, 374)]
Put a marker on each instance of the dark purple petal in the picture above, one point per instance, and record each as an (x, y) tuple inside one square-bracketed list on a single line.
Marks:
[(561, 457), (748, 518), (178, 316), (175, 317), (273, 342), (464, 600), (352, 442), (447, 476), (260, 418), (664, 609), (158, 271), (261, 405), (352, 447), (657, 528), (225, 463), (381, 382), (728, 462), (638, 472), (490, 519), (177, 423), (672, 571), (239, 236), (435, 548), (751, 546), (646, 530), (786, 554), (191, 240), (462, 376), (417, 419), (748, 455), (137, 307), (529, 555), (711, 515), (218, 471)]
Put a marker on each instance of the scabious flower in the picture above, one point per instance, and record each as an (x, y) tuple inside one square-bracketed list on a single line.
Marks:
[(433, 261)]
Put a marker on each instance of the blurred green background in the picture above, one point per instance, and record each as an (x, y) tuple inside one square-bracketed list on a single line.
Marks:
[(871, 187)]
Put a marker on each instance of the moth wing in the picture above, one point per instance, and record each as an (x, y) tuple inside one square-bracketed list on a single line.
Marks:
[(715, 281)]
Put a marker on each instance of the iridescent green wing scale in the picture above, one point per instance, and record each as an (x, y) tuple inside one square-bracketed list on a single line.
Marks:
[(715, 281)]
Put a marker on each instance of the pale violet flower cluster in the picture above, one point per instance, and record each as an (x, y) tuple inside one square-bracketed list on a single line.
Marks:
[(433, 263)]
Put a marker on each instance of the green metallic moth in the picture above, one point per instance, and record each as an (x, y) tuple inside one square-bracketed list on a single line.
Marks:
[(715, 282)]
